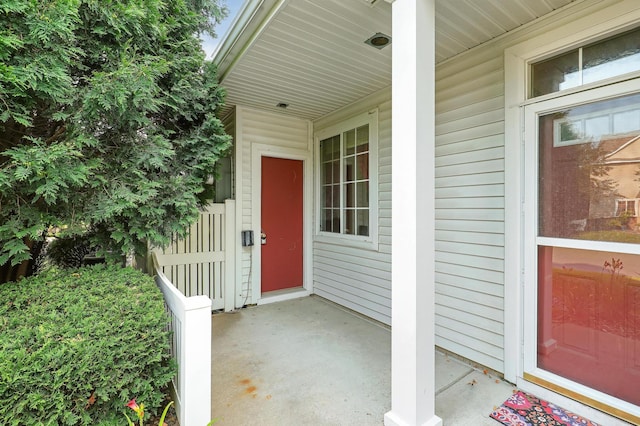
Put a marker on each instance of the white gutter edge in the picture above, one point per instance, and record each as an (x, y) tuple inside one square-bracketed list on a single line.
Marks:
[(237, 29)]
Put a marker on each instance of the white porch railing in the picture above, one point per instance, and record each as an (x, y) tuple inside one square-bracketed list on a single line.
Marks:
[(191, 348)]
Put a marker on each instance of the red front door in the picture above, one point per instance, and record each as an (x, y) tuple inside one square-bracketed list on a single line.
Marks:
[(282, 202)]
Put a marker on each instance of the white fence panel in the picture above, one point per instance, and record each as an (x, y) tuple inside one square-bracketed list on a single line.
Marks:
[(202, 262), (191, 348)]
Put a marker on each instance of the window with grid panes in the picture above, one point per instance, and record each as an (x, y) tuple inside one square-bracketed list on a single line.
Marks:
[(345, 183)]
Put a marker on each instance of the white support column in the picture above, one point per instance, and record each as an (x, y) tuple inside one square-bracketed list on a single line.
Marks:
[(413, 328)]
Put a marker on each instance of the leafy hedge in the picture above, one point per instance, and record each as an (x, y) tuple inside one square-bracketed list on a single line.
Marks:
[(77, 345)]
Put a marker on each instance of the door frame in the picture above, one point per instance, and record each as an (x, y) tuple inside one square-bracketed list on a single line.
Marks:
[(594, 19), (257, 152), (531, 240)]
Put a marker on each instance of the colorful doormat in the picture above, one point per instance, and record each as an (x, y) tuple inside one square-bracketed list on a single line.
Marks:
[(522, 409)]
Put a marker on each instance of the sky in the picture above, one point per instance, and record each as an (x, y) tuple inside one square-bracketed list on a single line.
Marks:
[(208, 44)]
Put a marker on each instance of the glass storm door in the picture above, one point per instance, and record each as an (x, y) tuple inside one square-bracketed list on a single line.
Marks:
[(582, 235)]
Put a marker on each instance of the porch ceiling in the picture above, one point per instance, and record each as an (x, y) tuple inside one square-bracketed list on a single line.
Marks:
[(311, 54)]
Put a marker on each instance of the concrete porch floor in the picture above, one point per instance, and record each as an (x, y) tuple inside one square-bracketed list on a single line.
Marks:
[(310, 362)]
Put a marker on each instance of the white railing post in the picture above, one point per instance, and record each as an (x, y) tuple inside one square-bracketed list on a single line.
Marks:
[(191, 347), (230, 239), (195, 365)]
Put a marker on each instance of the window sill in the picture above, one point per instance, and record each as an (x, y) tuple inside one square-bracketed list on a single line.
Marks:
[(347, 241)]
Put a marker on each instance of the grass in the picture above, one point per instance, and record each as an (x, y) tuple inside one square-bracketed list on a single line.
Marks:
[(611, 235)]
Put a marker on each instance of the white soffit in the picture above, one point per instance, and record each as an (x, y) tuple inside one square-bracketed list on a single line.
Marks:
[(311, 55)]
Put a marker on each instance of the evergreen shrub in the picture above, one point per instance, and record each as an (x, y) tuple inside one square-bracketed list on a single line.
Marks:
[(76, 345)]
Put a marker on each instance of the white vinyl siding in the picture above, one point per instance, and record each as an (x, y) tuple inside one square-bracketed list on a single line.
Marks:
[(360, 278), (265, 128), (469, 188)]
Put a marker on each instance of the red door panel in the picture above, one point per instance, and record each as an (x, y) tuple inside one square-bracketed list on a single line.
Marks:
[(282, 209)]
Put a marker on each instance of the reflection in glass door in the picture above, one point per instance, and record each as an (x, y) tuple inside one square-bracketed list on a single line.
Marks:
[(588, 256)]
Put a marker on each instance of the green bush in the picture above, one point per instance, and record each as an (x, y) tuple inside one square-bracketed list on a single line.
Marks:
[(77, 345)]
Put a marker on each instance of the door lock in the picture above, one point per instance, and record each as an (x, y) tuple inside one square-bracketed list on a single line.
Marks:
[(263, 238)]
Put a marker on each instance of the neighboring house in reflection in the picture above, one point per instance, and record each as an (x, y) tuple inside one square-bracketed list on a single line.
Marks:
[(621, 161)]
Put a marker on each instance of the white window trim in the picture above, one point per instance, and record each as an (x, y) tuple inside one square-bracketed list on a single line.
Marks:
[(599, 23), (635, 202), (366, 242)]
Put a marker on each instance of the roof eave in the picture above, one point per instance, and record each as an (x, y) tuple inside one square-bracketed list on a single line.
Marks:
[(251, 20)]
